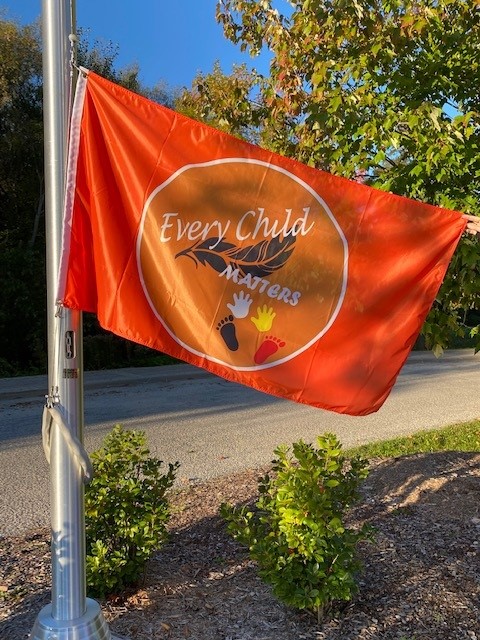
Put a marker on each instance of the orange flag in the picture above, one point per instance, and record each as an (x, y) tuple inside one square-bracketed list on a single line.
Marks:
[(253, 266)]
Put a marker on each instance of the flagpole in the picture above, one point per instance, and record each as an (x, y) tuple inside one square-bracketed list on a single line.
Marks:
[(71, 615)]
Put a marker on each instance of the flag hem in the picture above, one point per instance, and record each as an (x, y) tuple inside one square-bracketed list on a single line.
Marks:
[(71, 180)]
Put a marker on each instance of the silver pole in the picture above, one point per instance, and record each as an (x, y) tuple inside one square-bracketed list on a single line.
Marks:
[(71, 615)]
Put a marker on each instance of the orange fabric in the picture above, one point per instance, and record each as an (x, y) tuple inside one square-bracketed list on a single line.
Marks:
[(260, 269)]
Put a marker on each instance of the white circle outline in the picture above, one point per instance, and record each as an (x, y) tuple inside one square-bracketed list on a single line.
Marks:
[(306, 186)]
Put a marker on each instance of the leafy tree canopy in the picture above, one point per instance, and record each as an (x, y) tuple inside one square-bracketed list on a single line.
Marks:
[(22, 223), (227, 102), (382, 89)]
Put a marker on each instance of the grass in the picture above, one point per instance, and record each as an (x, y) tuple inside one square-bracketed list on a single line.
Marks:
[(457, 437)]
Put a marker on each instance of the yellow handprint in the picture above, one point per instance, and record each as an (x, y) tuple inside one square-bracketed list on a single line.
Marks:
[(265, 318)]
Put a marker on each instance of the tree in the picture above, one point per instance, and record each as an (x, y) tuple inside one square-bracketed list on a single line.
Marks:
[(22, 220), (100, 57), (21, 197), (385, 90), (226, 102)]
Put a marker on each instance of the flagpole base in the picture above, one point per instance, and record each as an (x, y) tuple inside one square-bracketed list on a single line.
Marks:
[(91, 626)]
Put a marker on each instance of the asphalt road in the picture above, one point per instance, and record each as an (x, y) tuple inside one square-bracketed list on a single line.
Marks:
[(211, 426)]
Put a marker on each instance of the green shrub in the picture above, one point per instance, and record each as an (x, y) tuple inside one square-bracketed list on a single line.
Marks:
[(297, 533), (126, 511)]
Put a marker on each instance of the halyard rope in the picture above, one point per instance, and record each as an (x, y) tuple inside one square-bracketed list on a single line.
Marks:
[(52, 415)]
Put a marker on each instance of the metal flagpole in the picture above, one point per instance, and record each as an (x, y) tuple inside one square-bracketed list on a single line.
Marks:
[(71, 615)]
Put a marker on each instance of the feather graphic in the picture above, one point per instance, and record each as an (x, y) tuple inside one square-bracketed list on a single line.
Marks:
[(260, 259), (211, 251)]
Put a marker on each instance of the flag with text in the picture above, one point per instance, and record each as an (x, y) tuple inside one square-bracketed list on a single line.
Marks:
[(262, 270)]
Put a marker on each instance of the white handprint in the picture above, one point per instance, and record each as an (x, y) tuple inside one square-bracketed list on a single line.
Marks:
[(241, 305)]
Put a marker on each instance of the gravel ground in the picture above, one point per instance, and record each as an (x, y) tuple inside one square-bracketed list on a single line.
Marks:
[(421, 578)]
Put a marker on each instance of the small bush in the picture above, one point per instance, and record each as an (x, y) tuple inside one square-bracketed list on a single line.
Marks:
[(297, 533), (6, 369), (126, 511)]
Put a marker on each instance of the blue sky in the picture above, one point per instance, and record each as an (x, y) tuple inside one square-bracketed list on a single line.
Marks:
[(170, 40)]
